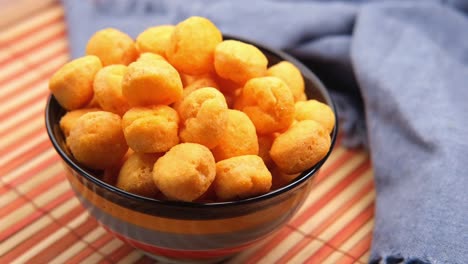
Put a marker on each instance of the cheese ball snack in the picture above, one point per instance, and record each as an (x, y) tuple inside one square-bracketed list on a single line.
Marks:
[(151, 130), (185, 172), (291, 75), (238, 139), (317, 111), (112, 47), (192, 44), (97, 140), (204, 117), (69, 119), (300, 147), (239, 62), (280, 179), (269, 104), (108, 89), (72, 84), (196, 83), (264, 146), (149, 57), (154, 39), (241, 177), (151, 83), (136, 174)]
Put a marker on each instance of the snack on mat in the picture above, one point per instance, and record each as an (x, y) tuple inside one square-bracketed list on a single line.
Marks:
[(185, 172), (154, 39), (192, 44), (155, 115), (72, 84), (136, 174), (241, 177), (269, 104), (97, 140), (300, 147), (151, 129), (112, 47), (108, 89)]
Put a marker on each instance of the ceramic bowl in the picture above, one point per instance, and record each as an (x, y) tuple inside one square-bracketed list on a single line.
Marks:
[(189, 232)]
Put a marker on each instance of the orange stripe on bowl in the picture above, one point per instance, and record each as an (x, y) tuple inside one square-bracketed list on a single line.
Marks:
[(182, 226)]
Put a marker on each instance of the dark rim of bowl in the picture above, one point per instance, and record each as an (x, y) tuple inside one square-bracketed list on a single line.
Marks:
[(297, 182)]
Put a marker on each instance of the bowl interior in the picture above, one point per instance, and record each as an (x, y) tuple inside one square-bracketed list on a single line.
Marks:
[(314, 90)]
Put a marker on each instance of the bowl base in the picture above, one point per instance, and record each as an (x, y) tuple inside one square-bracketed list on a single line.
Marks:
[(168, 260)]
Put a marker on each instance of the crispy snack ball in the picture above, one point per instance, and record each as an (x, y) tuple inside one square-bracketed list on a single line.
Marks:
[(136, 174), (280, 179), (149, 57), (69, 119), (151, 83), (108, 89), (197, 83), (238, 61), (204, 116), (317, 111), (300, 147), (264, 146), (239, 137), (151, 130), (72, 84), (154, 39), (97, 140), (185, 172), (241, 177), (192, 44), (291, 75), (269, 104), (112, 47)]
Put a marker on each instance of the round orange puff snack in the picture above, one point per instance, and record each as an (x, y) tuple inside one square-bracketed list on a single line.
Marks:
[(192, 44), (154, 39), (97, 140), (72, 84), (136, 174), (241, 177), (108, 89), (239, 62), (151, 83), (300, 147), (239, 137), (151, 129), (69, 119), (149, 57), (112, 47), (291, 75), (264, 146), (269, 104), (280, 179), (185, 172), (204, 116), (196, 82), (317, 111)]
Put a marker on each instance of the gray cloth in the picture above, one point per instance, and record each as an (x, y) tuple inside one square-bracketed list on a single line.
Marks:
[(398, 70)]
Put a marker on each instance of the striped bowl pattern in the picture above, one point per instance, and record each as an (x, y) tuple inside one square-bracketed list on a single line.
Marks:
[(188, 231)]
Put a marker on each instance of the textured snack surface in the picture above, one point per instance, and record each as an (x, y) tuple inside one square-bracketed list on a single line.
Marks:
[(292, 76), (185, 172), (112, 46)]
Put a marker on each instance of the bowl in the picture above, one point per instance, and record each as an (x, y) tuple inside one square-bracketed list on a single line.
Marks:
[(179, 232)]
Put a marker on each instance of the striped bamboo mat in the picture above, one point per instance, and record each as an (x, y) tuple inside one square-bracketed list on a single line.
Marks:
[(42, 222)]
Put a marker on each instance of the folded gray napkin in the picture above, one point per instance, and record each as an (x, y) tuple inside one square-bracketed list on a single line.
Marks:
[(398, 71)]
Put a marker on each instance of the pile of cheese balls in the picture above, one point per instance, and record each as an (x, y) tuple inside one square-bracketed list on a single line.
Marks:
[(180, 114)]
